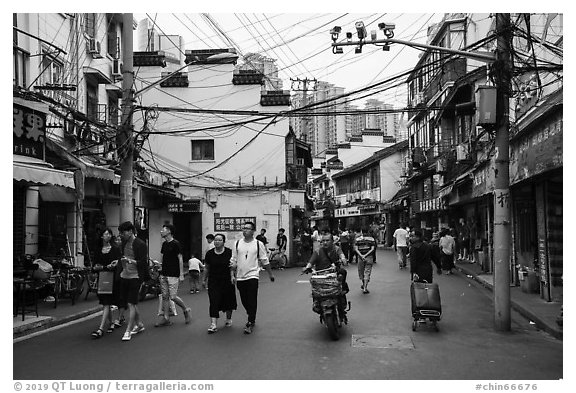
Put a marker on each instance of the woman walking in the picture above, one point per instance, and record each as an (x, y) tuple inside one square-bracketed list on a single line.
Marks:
[(106, 261), (221, 291)]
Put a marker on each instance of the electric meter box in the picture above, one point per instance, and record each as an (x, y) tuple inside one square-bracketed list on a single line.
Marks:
[(486, 105)]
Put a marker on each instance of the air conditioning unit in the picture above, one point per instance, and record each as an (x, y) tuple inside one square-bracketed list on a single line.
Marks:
[(116, 67), (93, 47), (461, 152)]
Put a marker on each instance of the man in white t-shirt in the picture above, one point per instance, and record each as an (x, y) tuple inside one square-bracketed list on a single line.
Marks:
[(401, 245), (247, 256)]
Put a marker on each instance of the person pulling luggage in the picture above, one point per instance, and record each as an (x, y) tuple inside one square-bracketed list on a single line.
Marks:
[(421, 258)]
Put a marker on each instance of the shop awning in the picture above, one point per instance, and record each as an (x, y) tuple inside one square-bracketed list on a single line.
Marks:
[(89, 169), (97, 75), (42, 175), (56, 194)]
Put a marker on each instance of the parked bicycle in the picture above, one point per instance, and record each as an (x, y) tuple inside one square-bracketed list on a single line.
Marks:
[(68, 282)]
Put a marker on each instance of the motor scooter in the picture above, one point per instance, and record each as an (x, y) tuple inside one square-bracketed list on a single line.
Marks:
[(152, 286), (329, 301)]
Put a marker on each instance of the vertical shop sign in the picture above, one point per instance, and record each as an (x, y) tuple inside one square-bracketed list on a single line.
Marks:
[(29, 132)]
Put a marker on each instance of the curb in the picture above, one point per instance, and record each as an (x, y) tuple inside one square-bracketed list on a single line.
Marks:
[(526, 313), (50, 322)]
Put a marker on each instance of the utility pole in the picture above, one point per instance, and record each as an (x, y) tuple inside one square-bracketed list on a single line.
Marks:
[(124, 137), (503, 71), (304, 90), (502, 236)]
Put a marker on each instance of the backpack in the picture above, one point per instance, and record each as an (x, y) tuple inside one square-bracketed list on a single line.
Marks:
[(257, 245)]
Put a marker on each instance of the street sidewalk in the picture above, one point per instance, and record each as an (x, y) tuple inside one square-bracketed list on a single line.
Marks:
[(544, 314), (531, 306)]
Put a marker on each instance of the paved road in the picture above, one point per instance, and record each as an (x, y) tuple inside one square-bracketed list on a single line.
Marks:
[(290, 343)]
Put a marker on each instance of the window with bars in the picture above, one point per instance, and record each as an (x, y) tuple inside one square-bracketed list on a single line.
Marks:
[(203, 150)]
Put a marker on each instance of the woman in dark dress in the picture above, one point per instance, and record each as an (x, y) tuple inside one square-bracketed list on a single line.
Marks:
[(221, 291), (106, 260)]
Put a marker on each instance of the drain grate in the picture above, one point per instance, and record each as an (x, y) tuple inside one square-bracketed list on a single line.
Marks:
[(385, 342)]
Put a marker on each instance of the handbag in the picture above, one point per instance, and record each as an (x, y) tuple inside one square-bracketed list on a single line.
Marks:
[(105, 283)]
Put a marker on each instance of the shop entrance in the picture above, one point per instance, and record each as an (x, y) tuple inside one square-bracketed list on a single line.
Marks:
[(189, 233)]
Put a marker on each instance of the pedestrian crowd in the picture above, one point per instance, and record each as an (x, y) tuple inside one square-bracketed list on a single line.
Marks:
[(123, 265)]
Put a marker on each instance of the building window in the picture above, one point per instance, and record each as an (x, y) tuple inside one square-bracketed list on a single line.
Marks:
[(202, 150), (113, 40), (90, 25), (53, 71), (20, 63), (92, 102)]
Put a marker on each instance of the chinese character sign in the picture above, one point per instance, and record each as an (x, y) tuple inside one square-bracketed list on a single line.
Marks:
[(29, 127), (231, 224)]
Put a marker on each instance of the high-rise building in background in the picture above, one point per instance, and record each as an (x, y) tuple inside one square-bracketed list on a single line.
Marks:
[(333, 123), (265, 65)]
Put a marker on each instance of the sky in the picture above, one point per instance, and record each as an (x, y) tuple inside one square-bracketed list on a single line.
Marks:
[(301, 43)]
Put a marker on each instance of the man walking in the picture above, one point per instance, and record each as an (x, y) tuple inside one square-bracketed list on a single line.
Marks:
[(262, 237), (247, 255), (401, 245), (281, 242), (172, 273), (134, 272), (421, 258), (365, 248)]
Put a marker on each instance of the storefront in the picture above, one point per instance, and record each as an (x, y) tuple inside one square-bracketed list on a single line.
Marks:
[(45, 219), (358, 217), (536, 178)]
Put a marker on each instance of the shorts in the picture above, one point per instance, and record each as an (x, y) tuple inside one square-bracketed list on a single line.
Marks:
[(169, 286), (194, 274), (129, 288)]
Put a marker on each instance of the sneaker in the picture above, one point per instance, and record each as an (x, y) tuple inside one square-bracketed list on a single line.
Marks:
[(192, 292), (249, 328), (361, 287), (138, 329), (212, 329), (163, 322), (127, 336), (365, 291), (228, 323), (117, 323), (187, 315)]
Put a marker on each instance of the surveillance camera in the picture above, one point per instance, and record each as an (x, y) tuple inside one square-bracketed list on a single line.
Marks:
[(386, 26), (336, 30), (349, 36), (361, 29)]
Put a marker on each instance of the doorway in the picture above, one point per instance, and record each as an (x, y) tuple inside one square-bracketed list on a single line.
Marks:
[(189, 234)]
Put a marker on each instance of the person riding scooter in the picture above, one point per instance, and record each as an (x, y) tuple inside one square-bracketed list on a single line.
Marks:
[(327, 255)]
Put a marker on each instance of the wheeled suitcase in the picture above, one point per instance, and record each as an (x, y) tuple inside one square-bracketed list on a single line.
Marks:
[(426, 304)]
